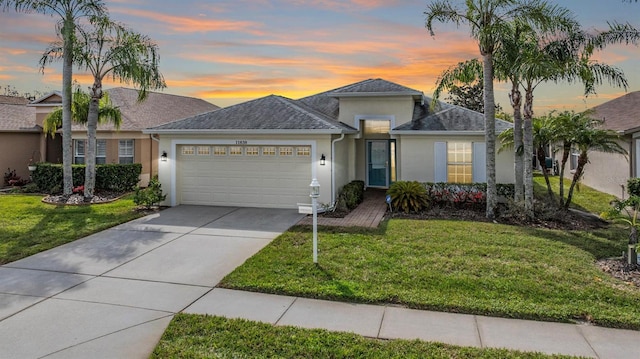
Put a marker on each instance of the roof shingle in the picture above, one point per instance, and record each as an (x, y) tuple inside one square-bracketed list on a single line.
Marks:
[(620, 114)]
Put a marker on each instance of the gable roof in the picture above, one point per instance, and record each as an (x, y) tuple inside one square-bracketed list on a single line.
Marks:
[(270, 113), (53, 98), (374, 87), (621, 114), (447, 117), (156, 109)]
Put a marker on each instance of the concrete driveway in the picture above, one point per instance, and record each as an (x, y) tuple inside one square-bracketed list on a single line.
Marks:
[(112, 294)]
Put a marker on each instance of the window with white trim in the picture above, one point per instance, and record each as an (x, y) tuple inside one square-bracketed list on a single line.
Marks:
[(219, 151), (125, 151), (252, 151), (269, 151), (235, 151), (575, 154), (459, 162), (79, 150), (303, 151), (188, 150), (285, 151), (204, 151)]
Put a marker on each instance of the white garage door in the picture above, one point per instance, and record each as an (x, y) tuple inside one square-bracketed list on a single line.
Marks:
[(247, 176)]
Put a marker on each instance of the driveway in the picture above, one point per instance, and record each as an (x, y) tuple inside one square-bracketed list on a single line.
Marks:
[(112, 294)]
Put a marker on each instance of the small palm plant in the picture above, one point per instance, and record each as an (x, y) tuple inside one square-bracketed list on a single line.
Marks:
[(626, 211), (408, 196)]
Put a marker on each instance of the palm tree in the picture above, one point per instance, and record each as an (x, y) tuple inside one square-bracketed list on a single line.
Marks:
[(69, 13), (110, 49), (80, 113), (488, 20), (589, 136)]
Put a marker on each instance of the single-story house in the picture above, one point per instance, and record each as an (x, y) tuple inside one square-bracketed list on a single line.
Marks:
[(265, 152), (21, 130), (608, 172)]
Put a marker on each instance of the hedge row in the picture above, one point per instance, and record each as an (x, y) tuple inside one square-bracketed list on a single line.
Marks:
[(350, 196), (444, 194), (109, 177)]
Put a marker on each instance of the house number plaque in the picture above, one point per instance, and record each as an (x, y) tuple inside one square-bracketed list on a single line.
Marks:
[(241, 142)]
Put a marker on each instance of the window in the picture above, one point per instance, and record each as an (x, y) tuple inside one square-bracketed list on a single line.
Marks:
[(204, 150), (251, 151), (285, 151), (303, 151), (78, 157), (125, 151), (219, 151), (80, 152), (574, 159), (376, 127), (188, 150), (268, 151), (459, 162), (235, 151)]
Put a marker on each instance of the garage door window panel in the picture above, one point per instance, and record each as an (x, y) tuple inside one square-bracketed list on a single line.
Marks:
[(235, 151), (188, 150), (303, 151), (268, 151), (252, 151), (285, 151), (204, 151), (219, 151)]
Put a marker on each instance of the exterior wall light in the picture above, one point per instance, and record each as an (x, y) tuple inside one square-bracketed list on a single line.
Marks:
[(163, 157), (323, 160)]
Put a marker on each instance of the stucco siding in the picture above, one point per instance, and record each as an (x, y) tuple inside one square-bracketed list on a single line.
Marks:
[(399, 108), (417, 162), (16, 149), (606, 172)]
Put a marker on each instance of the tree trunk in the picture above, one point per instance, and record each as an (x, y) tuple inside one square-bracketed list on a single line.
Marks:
[(541, 157), (490, 134), (67, 73), (528, 152), (91, 148), (582, 161), (566, 152), (516, 103)]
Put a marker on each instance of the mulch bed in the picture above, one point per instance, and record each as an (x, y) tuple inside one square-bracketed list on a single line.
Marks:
[(618, 268), (79, 200)]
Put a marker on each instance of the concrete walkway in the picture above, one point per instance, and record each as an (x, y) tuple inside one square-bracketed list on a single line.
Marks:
[(388, 322), (112, 295)]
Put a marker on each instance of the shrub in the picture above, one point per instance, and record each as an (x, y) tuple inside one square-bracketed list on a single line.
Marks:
[(633, 187), (150, 196), (408, 196), (110, 177), (350, 196), (12, 179)]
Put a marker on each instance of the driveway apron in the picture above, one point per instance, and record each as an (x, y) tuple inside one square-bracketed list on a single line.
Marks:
[(112, 294)]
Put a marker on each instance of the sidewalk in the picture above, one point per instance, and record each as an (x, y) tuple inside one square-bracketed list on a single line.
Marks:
[(388, 322)]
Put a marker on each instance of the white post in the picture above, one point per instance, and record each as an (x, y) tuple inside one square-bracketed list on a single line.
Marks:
[(315, 193)]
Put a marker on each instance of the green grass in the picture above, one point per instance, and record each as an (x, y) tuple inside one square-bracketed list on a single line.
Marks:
[(455, 266), (584, 197), (197, 336), (28, 226)]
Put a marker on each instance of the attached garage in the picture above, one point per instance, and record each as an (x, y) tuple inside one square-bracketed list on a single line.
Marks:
[(272, 176)]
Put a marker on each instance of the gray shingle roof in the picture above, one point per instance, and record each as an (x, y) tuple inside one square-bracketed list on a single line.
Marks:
[(17, 117), (267, 113), (13, 100), (448, 117), (620, 114), (374, 86), (157, 109)]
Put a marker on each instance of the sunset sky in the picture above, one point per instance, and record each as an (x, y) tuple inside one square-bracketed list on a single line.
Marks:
[(230, 51)]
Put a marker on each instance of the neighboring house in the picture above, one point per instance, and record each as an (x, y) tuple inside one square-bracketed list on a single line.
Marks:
[(21, 137), (264, 152), (127, 144), (609, 172)]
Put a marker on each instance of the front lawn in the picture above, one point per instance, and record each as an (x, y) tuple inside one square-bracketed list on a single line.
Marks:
[(584, 197), (198, 336), (455, 266), (28, 226)]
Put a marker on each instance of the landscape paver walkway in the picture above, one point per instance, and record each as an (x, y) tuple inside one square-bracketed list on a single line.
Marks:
[(368, 214), (112, 295)]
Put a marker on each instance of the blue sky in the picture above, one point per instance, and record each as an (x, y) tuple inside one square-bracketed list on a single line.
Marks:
[(233, 50)]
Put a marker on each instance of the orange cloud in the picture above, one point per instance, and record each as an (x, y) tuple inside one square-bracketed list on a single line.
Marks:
[(193, 25), (342, 5)]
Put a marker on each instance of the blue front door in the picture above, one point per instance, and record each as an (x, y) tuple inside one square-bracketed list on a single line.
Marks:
[(378, 163)]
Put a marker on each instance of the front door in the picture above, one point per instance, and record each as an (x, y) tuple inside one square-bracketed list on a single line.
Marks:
[(378, 163)]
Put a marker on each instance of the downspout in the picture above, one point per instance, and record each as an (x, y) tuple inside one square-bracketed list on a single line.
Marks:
[(333, 172)]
